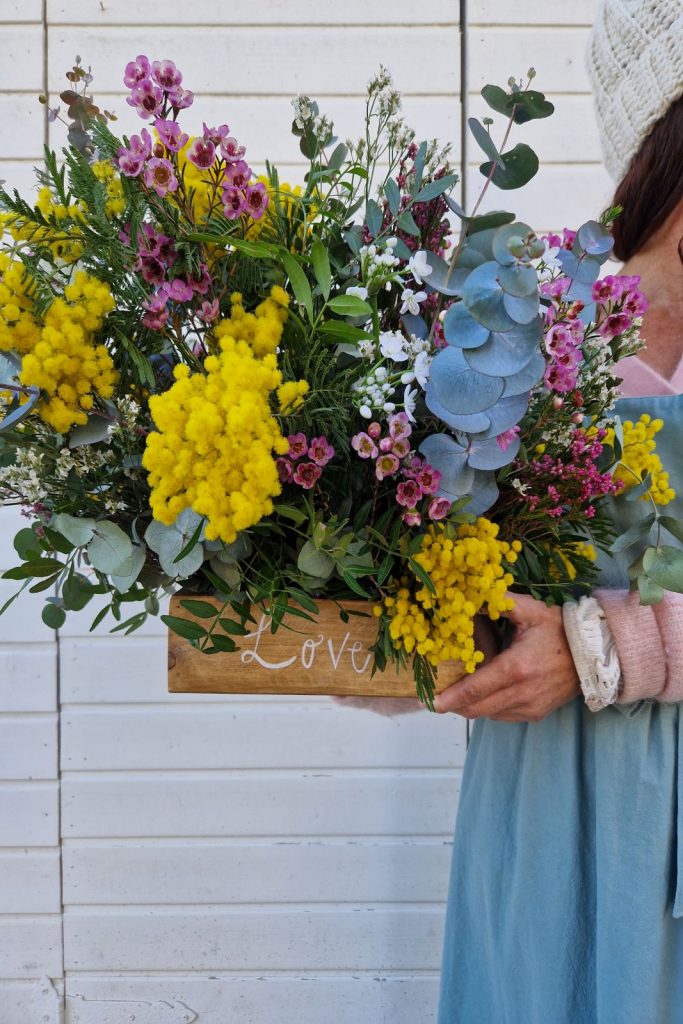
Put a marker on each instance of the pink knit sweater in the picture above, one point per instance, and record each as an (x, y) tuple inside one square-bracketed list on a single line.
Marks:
[(649, 638)]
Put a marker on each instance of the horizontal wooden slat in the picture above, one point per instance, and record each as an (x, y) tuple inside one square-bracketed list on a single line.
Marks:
[(21, 623), (30, 946), (19, 175), (273, 938), (424, 60), (24, 1002), (529, 12), (22, 118), (263, 124), (277, 736), (204, 804), (286, 871), (30, 881), (244, 12), (306, 999), (22, 57), (28, 677), (21, 11), (557, 55), (28, 746), (559, 196), (29, 814)]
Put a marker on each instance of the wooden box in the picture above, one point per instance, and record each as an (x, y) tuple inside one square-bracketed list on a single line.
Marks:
[(328, 657)]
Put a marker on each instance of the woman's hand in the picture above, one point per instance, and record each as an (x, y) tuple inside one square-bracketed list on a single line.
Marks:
[(526, 682)]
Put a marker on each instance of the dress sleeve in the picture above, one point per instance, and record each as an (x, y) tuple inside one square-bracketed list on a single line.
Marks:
[(649, 642)]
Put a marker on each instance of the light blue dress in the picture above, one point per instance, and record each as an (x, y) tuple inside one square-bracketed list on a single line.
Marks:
[(566, 892)]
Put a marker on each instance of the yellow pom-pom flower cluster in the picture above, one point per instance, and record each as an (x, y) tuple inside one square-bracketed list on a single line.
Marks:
[(578, 548), (105, 172), (468, 568), (62, 237), (213, 449), (639, 457), (65, 362), (19, 329)]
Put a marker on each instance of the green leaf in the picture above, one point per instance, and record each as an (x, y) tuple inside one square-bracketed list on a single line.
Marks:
[(111, 550), (641, 489), (373, 217), (406, 223), (225, 644), (77, 591), (77, 531), (664, 566), (192, 542), (139, 557), (98, 618), (393, 194), (435, 188), (47, 584), (152, 604), (650, 593), (202, 609), (521, 164), (299, 282), (674, 526), (57, 541), (527, 106), (232, 627), (349, 305), (321, 267), (315, 562), (485, 142), (304, 600), (39, 567), (53, 616), (94, 431), (184, 627), (26, 544), (130, 625), (353, 584), (630, 537), (422, 575), (345, 332), (419, 165)]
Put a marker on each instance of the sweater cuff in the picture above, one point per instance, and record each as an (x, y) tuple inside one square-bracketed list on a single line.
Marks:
[(639, 644)]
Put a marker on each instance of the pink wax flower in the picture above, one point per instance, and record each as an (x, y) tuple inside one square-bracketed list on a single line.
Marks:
[(238, 174), (209, 311), (364, 445), (400, 447), (439, 508), (166, 74), (411, 517), (179, 98), (234, 202), (386, 444), (428, 479), (231, 149), (131, 160), (257, 200), (152, 269), (201, 153), (558, 338), (136, 71), (177, 290), (374, 430), (560, 378), (614, 325), (609, 289), (399, 425), (298, 446), (157, 311), (285, 472), (306, 474), (320, 450), (201, 283), (215, 135), (147, 98), (159, 175), (554, 289), (386, 465), (635, 304), (505, 439), (171, 134), (408, 494)]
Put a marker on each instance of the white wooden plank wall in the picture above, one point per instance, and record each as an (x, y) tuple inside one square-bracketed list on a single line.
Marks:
[(229, 861)]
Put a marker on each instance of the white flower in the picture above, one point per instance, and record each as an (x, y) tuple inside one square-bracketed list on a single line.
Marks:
[(422, 366), (366, 412), (412, 300), (418, 266), (358, 290), (392, 346), (409, 400), (366, 349)]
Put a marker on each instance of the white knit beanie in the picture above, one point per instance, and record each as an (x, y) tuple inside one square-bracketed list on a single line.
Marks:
[(635, 63)]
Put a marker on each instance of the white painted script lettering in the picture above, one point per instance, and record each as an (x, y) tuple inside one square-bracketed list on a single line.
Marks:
[(356, 652), (246, 657), (308, 649)]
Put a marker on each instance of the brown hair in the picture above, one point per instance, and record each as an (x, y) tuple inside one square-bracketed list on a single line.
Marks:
[(653, 185)]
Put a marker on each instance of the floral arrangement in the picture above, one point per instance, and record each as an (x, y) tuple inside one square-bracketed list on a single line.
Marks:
[(276, 393)]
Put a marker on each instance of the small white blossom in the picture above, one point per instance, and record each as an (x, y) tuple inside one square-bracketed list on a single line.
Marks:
[(366, 412), (409, 401), (411, 301), (367, 349), (419, 267), (422, 366), (358, 291), (392, 346)]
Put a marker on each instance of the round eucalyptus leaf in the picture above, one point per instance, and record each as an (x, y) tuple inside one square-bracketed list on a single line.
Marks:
[(171, 546), (483, 298), (415, 325), (595, 239), (484, 492), (488, 454), (505, 354), (475, 422), (520, 280), (450, 458), (315, 562), (123, 583), (519, 383), (522, 309), (501, 238), (110, 550), (462, 330), (506, 413), (482, 241), (664, 566), (579, 268), (77, 531), (470, 257), (442, 279), (461, 389), (53, 616)]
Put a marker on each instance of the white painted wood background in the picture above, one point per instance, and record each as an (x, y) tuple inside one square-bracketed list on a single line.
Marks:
[(178, 859)]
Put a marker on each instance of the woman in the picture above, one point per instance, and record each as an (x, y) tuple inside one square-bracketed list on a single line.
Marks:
[(566, 898)]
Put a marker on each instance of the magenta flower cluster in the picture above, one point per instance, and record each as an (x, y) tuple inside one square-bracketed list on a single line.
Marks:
[(156, 257), (392, 456), (156, 92), (317, 453), (620, 303), (575, 481)]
